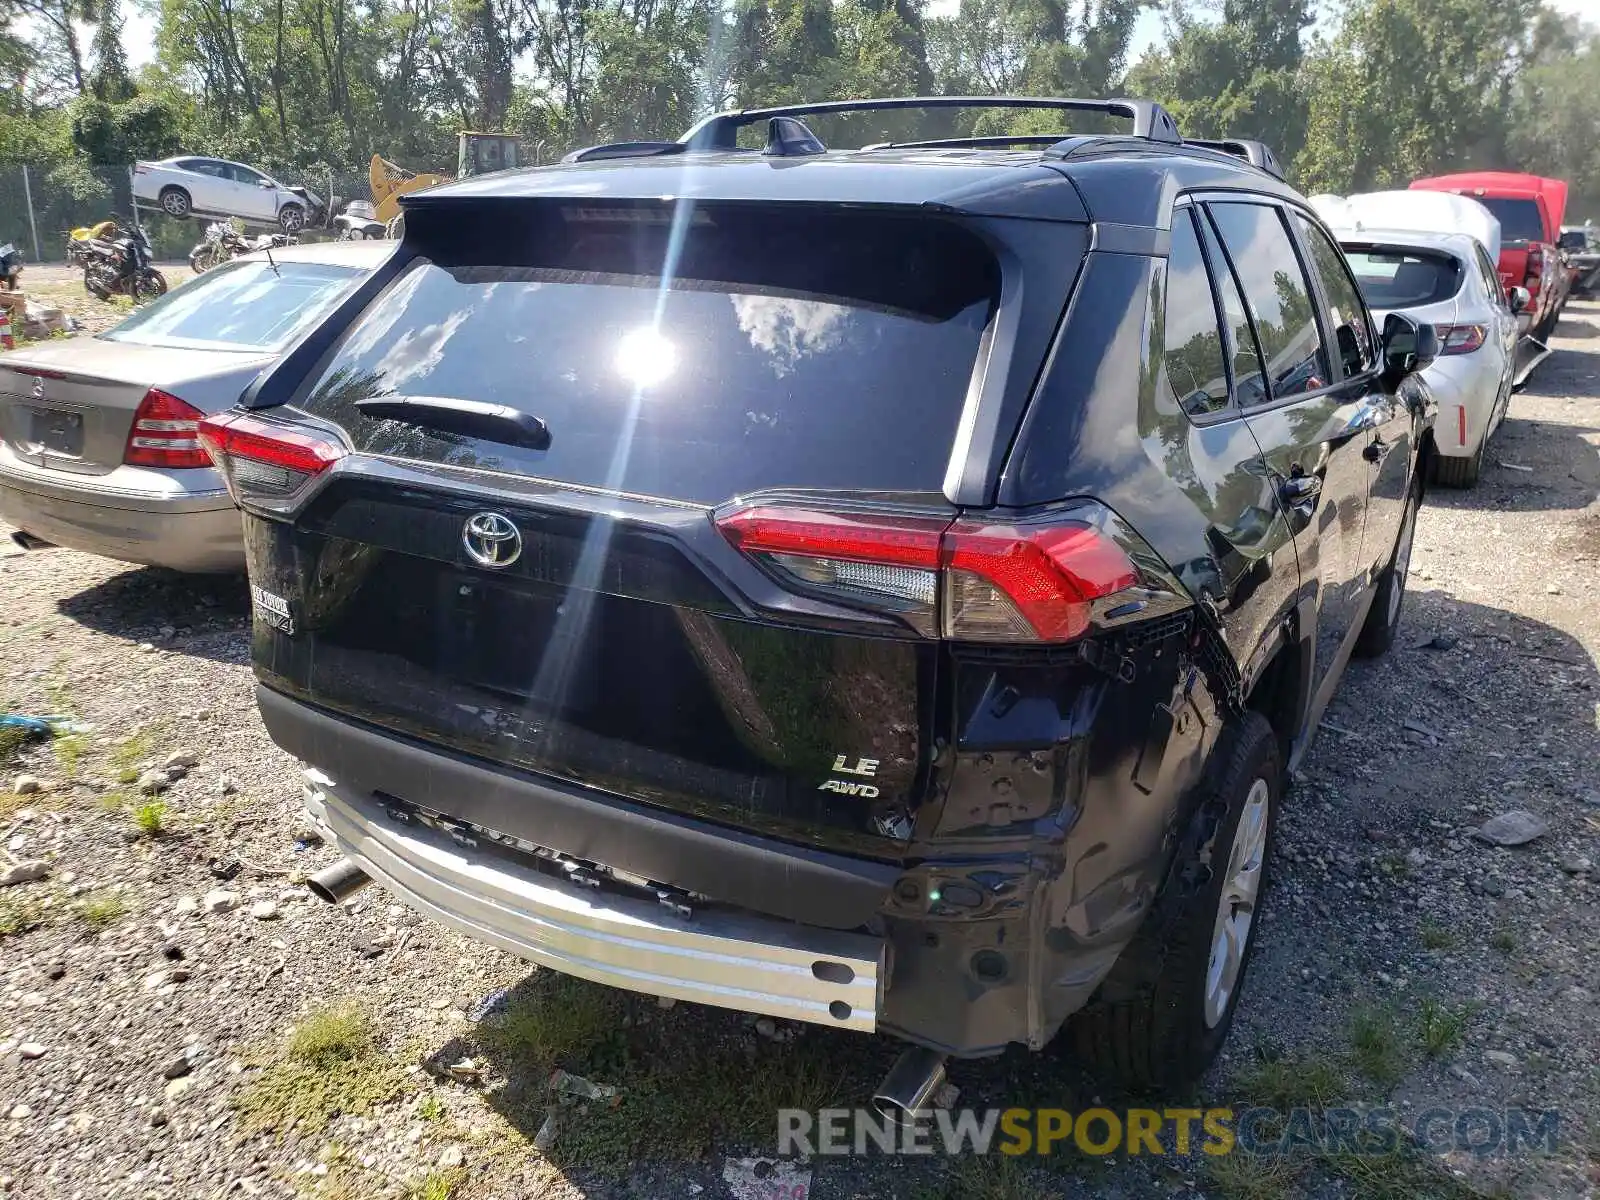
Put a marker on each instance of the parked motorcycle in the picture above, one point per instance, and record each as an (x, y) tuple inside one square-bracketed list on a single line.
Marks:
[(120, 266), (78, 240), (359, 222), (223, 243), (10, 266)]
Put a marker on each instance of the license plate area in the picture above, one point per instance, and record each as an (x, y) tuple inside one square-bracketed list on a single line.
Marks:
[(55, 431), (519, 641)]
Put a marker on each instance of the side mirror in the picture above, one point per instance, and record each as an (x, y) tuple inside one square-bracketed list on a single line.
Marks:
[(1407, 345), (1518, 299)]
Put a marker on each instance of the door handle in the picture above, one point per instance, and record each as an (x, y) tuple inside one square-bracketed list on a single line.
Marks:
[(1298, 489)]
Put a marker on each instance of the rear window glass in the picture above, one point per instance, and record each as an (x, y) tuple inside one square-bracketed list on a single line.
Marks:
[(1519, 219), (1396, 279), (241, 305), (745, 348)]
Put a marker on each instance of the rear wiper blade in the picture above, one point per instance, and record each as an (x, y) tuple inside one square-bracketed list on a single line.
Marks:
[(473, 418)]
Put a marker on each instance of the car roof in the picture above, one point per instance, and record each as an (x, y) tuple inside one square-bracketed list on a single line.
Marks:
[(1130, 180), (364, 255)]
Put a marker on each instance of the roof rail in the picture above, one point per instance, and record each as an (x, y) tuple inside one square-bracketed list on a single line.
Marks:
[(1257, 154), (720, 131), (974, 143), (623, 150)]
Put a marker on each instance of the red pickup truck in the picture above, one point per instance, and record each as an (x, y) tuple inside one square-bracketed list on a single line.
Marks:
[(1529, 209)]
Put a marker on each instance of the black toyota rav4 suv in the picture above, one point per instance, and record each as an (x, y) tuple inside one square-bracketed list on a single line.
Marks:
[(885, 588)]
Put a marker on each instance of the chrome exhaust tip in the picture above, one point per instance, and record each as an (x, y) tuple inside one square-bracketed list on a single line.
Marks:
[(907, 1091), (338, 883)]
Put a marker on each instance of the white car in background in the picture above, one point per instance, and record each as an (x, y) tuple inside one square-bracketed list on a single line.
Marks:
[(190, 185), (1448, 279)]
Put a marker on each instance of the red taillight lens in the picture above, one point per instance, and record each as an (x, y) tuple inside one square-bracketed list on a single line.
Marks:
[(1000, 583), (1460, 339), (265, 464), (164, 434), (1019, 583)]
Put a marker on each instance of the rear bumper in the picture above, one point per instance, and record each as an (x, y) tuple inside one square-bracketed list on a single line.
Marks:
[(730, 959), (1467, 388), (186, 531)]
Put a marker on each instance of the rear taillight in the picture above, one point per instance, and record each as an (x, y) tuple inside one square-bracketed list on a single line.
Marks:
[(140, 168), (1460, 339), (970, 581), (164, 434), (267, 466)]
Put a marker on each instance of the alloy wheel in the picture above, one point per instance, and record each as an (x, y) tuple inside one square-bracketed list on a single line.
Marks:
[(1236, 908)]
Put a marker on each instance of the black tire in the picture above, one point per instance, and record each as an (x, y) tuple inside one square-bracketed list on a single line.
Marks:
[(292, 217), (1388, 598), (1148, 1028), (175, 202), (1448, 471), (150, 285), (200, 259)]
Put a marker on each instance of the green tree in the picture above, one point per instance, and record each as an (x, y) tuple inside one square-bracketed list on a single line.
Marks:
[(111, 81)]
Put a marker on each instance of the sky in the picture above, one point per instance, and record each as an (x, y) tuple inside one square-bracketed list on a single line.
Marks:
[(139, 32)]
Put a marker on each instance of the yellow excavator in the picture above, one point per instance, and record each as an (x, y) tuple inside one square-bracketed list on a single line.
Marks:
[(477, 154), (390, 182)]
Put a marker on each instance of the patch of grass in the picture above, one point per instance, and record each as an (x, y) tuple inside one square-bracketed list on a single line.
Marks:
[(987, 1177), (1376, 1047), (1436, 936), (1243, 1176), (1404, 1174), (430, 1108), (18, 915), (114, 801), (127, 754), (1503, 940), (100, 909), (331, 1064), (553, 1021), (1442, 1026), (1293, 1082), (69, 750), (438, 1185), (12, 739), (150, 818)]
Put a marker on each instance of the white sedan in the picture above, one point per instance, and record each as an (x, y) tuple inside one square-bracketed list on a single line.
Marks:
[(189, 185), (1449, 281)]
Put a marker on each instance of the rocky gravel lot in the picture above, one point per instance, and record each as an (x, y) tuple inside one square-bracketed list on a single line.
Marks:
[(178, 1019)]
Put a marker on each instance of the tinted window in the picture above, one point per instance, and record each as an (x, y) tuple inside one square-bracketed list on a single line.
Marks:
[(1348, 318), (241, 304), (1404, 278), (1519, 219), (204, 166), (1275, 289), (768, 347), (245, 175), (1492, 290), (1249, 385), (1196, 363)]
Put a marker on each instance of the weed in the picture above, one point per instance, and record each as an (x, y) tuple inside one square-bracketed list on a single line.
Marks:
[(1436, 936), (438, 1185), (18, 915), (127, 774), (1297, 1082), (127, 754), (1244, 1176), (553, 1020), (12, 739), (331, 1064), (150, 818), (990, 1177), (1376, 1048), (69, 750), (114, 801), (1404, 1174), (1442, 1026), (101, 909), (1503, 940), (430, 1108)]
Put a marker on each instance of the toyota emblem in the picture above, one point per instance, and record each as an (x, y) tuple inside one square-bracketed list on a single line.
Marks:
[(491, 540)]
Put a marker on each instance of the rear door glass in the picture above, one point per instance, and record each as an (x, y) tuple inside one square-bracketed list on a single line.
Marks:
[(748, 347), (1249, 384), (1352, 332), (1196, 365), (1275, 288)]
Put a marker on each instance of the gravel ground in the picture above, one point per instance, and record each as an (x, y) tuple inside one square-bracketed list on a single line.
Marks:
[(178, 1020), (61, 286)]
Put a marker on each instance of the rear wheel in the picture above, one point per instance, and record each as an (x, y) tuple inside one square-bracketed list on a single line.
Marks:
[(175, 202), (150, 284), (1164, 1010), (1383, 618)]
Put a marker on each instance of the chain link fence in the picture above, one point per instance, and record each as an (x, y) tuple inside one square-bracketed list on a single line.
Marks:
[(39, 208)]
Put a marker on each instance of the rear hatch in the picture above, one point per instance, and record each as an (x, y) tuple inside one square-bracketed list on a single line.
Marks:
[(546, 585)]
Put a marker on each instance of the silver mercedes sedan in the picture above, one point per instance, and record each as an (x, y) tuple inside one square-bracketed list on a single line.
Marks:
[(97, 435)]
